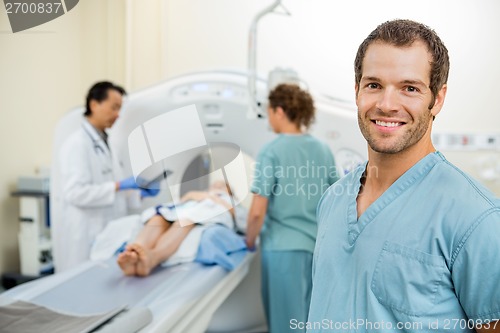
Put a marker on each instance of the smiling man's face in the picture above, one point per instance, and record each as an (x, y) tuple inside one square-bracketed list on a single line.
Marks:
[(393, 97)]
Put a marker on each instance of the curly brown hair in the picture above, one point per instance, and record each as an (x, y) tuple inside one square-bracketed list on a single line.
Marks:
[(403, 33), (297, 104)]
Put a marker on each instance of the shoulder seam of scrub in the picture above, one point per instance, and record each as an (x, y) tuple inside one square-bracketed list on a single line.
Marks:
[(469, 232), (469, 180)]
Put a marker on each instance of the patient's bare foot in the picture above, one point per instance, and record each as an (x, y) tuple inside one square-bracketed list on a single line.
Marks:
[(127, 261), (144, 260)]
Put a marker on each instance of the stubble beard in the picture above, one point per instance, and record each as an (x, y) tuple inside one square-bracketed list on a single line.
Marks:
[(387, 145)]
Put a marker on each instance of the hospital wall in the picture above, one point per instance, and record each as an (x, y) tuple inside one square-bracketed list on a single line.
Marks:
[(320, 39), (45, 71)]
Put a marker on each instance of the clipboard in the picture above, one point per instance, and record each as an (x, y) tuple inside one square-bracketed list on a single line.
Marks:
[(152, 178)]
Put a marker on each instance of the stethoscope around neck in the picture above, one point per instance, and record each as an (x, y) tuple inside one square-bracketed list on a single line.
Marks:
[(97, 147)]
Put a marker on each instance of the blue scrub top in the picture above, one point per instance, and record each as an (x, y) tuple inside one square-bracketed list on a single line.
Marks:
[(293, 172), (425, 256)]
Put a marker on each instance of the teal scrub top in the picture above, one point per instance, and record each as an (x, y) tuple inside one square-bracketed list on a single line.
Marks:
[(293, 172), (424, 257)]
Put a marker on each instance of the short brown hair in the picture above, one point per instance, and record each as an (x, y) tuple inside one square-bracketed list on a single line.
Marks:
[(404, 33), (297, 104)]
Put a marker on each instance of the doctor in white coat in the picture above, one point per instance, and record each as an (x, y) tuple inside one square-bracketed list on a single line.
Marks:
[(91, 196)]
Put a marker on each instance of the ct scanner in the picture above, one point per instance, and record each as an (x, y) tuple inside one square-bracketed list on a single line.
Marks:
[(189, 297)]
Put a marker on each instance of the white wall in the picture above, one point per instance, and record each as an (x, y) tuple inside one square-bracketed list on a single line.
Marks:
[(145, 43), (31, 100), (321, 38), (45, 71)]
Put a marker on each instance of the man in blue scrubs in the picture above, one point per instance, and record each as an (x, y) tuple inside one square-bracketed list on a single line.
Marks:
[(407, 242)]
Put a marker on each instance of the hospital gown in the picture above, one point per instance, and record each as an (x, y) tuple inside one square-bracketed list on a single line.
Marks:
[(423, 257), (204, 212)]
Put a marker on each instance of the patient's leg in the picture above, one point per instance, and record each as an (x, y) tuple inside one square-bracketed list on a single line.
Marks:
[(127, 261), (147, 238), (166, 245), (152, 231)]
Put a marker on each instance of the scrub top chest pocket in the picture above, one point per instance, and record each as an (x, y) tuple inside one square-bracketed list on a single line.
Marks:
[(407, 280)]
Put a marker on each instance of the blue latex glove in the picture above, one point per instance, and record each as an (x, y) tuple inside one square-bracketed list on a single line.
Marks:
[(150, 192), (128, 184)]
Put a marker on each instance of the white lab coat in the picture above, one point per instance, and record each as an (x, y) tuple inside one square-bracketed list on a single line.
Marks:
[(88, 200)]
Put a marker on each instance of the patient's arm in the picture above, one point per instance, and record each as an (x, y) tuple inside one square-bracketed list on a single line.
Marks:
[(218, 200), (202, 195), (195, 195), (255, 220)]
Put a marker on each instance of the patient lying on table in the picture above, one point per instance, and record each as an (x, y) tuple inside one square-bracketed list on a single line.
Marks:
[(163, 233)]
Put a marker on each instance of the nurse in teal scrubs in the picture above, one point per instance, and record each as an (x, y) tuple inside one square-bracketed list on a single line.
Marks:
[(291, 174)]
